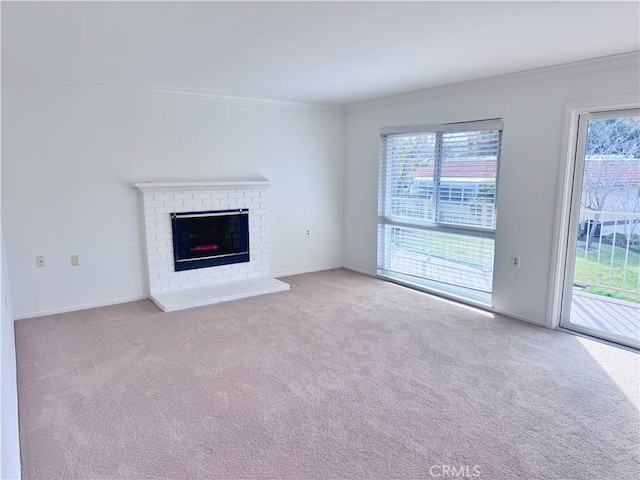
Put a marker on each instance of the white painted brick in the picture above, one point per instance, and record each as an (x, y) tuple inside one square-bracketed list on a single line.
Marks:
[(206, 282), (149, 209), (162, 196), (157, 243), (197, 276), (165, 211), (155, 217), (157, 269), (155, 230), (157, 209)]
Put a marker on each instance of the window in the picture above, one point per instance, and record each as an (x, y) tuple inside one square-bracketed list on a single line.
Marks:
[(437, 215)]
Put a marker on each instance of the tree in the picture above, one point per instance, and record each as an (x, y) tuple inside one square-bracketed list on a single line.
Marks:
[(611, 167), (408, 153)]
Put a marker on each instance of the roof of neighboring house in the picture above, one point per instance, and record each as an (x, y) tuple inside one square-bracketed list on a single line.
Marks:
[(622, 172), (619, 172), (462, 169)]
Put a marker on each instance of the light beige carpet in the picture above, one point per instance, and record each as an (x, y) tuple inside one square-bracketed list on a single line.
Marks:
[(344, 376)]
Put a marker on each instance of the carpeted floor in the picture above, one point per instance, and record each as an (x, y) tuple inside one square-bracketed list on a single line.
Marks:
[(342, 377)]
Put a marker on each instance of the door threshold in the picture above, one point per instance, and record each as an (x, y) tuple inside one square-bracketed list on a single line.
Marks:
[(598, 339)]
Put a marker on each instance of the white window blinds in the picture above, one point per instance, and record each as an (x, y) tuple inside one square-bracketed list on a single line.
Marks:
[(437, 198)]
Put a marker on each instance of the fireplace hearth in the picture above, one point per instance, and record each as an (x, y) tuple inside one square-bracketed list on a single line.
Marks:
[(207, 239)]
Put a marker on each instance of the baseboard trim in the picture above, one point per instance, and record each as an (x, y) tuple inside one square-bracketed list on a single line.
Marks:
[(359, 270), (452, 298), (135, 299), (302, 272), (289, 274), (80, 307), (520, 318)]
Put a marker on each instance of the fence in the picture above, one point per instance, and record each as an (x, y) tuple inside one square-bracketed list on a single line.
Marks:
[(608, 251), (474, 214)]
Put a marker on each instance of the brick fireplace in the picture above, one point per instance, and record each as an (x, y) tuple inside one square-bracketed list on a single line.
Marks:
[(174, 289)]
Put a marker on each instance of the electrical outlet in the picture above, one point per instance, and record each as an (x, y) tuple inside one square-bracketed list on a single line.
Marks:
[(515, 261), (40, 261), (308, 232), (75, 260)]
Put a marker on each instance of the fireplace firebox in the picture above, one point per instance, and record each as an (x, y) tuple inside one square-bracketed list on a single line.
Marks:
[(207, 239)]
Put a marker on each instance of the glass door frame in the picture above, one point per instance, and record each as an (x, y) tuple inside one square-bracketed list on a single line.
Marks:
[(569, 218)]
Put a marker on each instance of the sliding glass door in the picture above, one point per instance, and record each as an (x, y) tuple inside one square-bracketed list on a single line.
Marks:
[(601, 294), (437, 215)]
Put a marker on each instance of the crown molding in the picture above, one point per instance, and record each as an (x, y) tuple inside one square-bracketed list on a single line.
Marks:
[(630, 59), (71, 83), (598, 64)]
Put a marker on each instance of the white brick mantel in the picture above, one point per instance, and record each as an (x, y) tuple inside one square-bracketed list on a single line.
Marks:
[(172, 290), (188, 186)]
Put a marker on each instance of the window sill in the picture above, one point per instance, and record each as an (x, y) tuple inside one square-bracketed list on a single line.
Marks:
[(464, 295)]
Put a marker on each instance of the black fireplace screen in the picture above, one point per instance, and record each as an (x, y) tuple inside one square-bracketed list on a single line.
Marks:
[(206, 239)]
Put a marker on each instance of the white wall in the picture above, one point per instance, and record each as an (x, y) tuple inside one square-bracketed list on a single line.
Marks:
[(9, 443), (532, 108), (71, 152)]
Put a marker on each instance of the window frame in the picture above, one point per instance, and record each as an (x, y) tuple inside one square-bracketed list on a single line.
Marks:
[(385, 216), (438, 130)]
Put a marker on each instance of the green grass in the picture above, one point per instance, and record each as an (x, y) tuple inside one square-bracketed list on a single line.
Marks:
[(469, 251), (473, 251), (587, 271)]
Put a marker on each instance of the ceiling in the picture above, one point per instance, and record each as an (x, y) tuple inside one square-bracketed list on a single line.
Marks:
[(329, 52)]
